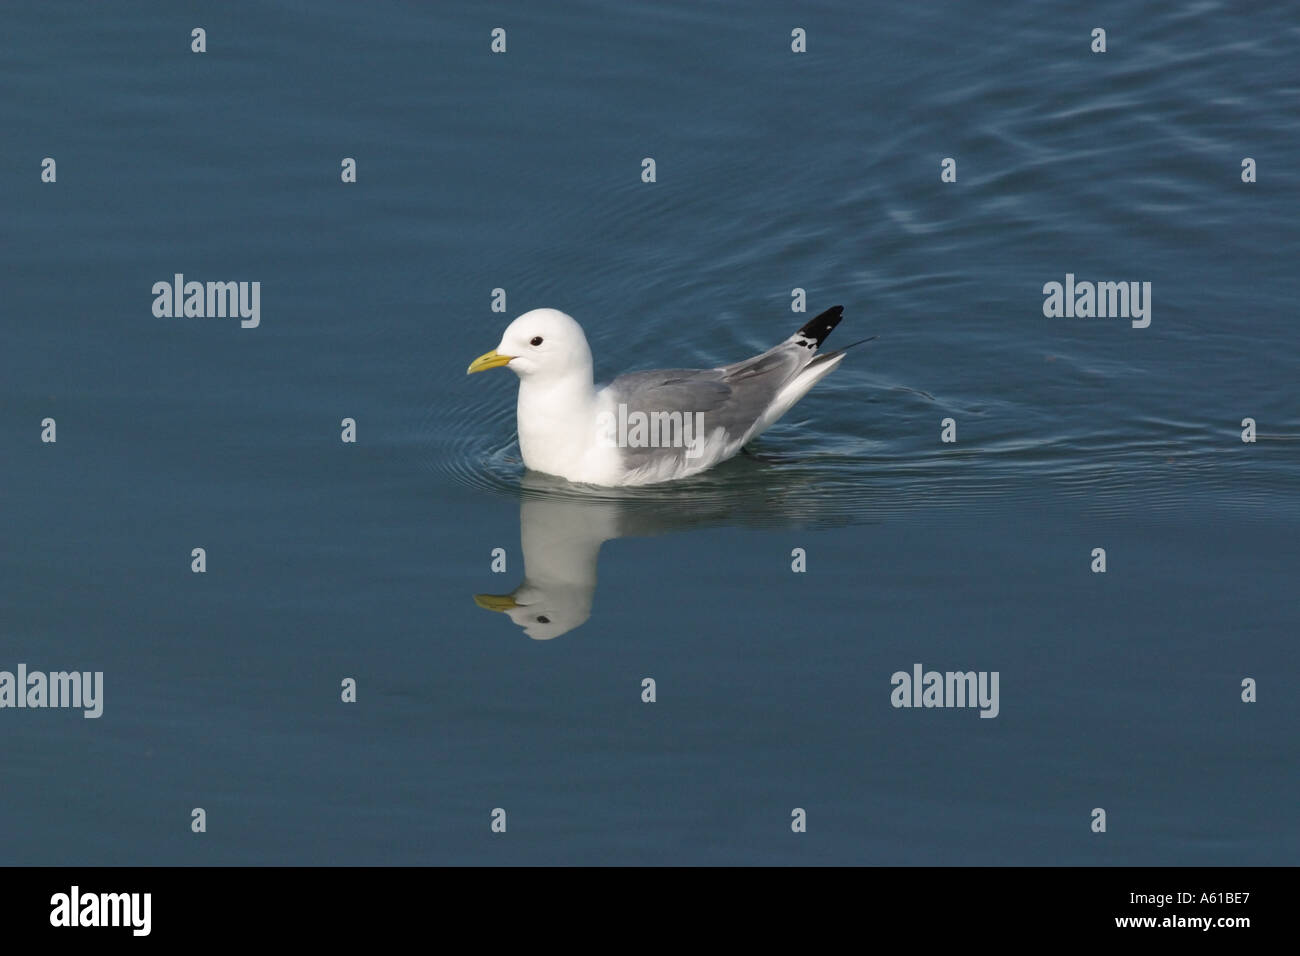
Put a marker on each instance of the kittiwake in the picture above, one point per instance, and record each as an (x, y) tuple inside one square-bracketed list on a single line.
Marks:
[(646, 427)]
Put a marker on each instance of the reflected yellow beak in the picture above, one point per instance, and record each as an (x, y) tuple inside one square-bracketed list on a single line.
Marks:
[(495, 602), (487, 360)]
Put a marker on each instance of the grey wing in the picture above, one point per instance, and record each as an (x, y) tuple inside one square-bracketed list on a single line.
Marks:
[(733, 397), (755, 383), (672, 390)]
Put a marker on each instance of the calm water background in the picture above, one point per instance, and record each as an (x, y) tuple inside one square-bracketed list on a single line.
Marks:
[(522, 171)]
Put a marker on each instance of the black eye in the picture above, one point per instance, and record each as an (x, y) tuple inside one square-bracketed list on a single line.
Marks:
[(537, 340), (543, 619)]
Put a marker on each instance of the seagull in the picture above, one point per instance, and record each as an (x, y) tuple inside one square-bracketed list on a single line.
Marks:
[(646, 427)]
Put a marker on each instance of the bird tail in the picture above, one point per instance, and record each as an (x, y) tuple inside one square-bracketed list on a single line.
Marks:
[(814, 331)]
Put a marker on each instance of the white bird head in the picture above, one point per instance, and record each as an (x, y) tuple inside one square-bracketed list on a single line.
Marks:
[(542, 344)]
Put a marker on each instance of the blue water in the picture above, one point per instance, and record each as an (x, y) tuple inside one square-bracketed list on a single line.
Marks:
[(775, 170)]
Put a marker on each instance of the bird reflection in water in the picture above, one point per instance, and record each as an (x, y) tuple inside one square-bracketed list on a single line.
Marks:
[(561, 530)]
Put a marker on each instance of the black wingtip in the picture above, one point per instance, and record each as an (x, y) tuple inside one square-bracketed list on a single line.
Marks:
[(817, 328)]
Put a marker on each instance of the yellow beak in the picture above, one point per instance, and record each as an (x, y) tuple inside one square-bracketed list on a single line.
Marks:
[(495, 602), (487, 360)]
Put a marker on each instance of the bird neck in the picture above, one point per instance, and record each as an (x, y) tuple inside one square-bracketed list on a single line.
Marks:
[(556, 419)]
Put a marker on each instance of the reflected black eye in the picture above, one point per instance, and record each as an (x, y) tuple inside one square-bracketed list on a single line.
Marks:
[(537, 340), (543, 619)]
